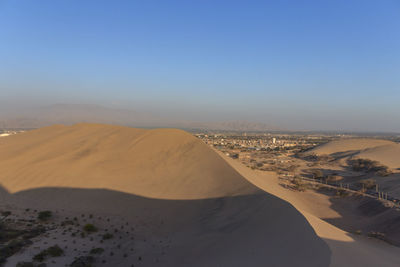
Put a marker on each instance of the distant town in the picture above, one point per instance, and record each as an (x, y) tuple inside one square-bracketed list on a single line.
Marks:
[(4, 133)]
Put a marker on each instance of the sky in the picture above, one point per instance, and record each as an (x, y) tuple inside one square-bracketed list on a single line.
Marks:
[(301, 65)]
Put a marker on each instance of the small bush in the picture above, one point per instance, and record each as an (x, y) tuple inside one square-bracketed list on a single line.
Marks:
[(107, 236), (96, 250), (45, 215), (299, 184), (53, 251), (11, 248), (41, 256), (369, 166), (90, 228), (384, 172)]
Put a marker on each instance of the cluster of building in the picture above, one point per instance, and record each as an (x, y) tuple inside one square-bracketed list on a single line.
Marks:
[(263, 142)]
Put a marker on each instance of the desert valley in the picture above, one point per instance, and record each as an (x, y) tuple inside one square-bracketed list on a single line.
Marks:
[(103, 195), (199, 133)]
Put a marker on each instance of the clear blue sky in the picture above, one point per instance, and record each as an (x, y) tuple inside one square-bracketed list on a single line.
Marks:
[(298, 64)]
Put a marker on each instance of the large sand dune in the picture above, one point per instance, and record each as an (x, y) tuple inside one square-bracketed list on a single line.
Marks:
[(384, 151), (388, 155), (346, 249), (168, 184), (161, 163)]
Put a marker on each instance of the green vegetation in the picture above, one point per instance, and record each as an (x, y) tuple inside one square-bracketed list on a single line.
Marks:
[(369, 166), (107, 236), (96, 251), (11, 248), (13, 240), (90, 228), (45, 215), (53, 251)]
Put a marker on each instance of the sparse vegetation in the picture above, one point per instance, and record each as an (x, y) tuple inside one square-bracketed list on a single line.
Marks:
[(369, 166), (107, 236), (83, 261), (96, 251), (44, 215), (53, 251), (90, 228), (298, 184), (11, 248)]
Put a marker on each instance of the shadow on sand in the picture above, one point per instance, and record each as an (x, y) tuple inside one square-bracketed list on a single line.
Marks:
[(250, 230)]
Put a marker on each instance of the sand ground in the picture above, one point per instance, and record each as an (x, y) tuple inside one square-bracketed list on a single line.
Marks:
[(168, 200)]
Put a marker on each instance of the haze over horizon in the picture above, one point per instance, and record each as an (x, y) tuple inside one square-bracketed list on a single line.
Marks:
[(314, 65)]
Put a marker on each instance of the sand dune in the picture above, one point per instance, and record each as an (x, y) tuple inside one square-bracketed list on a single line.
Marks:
[(347, 249), (388, 155), (386, 152), (161, 163), (344, 145), (167, 184)]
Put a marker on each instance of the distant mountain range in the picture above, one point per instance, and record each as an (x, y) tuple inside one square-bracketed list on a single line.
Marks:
[(75, 113)]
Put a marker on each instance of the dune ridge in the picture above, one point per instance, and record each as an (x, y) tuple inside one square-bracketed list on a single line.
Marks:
[(346, 249), (384, 151), (167, 184), (159, 163)]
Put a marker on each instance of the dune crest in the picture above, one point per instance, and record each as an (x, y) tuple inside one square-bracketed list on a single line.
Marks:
[(159, 163), (167, 184), (384, 151)]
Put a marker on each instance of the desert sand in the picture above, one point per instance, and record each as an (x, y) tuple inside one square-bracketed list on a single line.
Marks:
[(184, 204), (384, 151), (347, 249)]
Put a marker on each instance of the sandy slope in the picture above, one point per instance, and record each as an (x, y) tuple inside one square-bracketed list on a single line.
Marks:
[(388, 155), (172, 189), (347, 249), (386, 152), (167, 184), (161, 163), (344, 145)]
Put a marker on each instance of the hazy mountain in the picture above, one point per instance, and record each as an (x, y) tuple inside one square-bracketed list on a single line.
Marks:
[(76, 113), (235, 126)]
